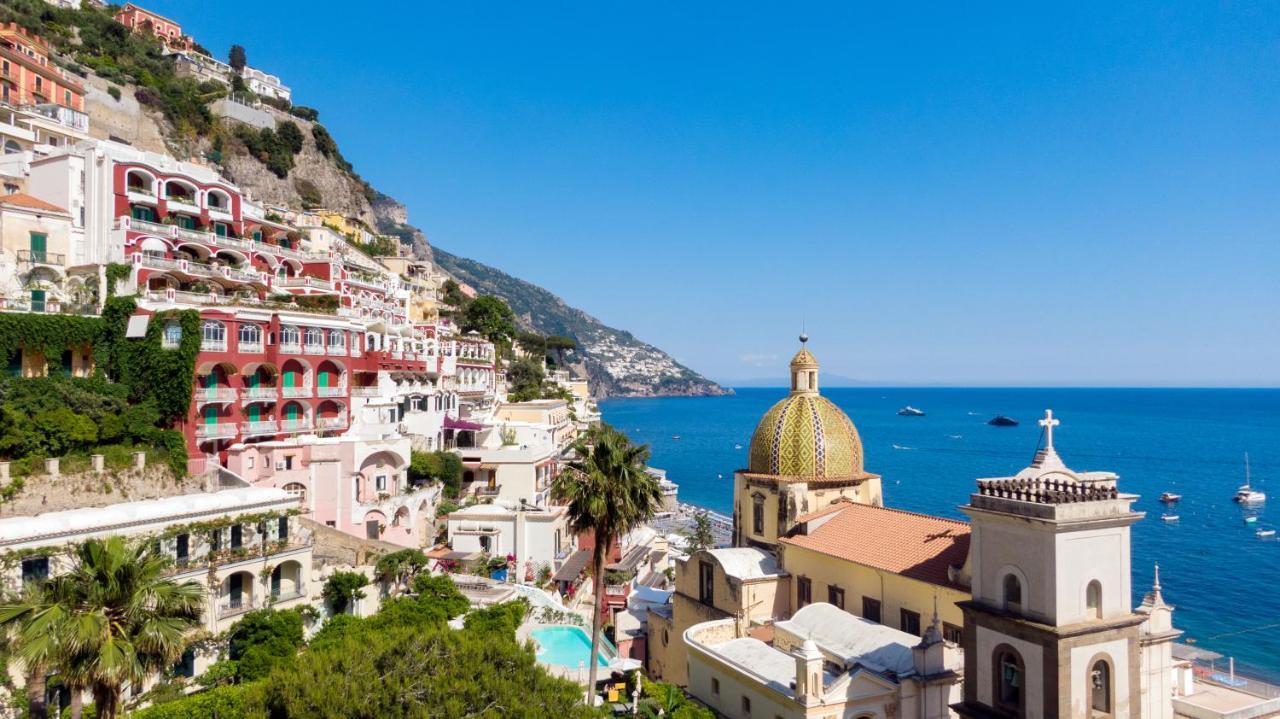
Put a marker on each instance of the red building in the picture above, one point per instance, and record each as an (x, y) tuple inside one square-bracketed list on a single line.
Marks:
[(167, 31), (28, 77)]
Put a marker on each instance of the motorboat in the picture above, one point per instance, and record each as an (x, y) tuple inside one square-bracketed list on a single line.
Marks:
[(1264, 533), (1169, 518), (1250, 519), (1170, 497), (910, 411), (1246, 494), (1002, 421)]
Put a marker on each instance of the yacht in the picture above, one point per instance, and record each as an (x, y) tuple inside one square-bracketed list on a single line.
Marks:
[(1247, 494), (1264, 533), (910, 411), (1170, 497), (1002, 421), (1169, 517)]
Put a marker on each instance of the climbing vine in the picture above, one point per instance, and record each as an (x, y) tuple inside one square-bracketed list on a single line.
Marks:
[(116, 272), (47, 334)]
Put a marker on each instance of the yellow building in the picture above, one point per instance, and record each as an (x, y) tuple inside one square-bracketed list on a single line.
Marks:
[(35, 244), (886, 565), (805, 454)]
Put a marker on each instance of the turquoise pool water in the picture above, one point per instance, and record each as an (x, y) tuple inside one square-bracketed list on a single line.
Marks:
[(565, 646)]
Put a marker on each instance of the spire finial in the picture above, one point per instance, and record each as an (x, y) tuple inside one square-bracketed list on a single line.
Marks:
[(1049, 423), (936, 620), (1155, 587)]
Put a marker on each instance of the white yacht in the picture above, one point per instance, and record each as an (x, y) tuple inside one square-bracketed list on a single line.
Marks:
[(1247, 494)]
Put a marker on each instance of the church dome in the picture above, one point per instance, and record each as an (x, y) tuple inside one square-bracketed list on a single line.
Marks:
[(805, 435)]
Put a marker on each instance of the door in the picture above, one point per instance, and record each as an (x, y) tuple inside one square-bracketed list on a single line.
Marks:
[(275, 582), (322, 379), (292, 413), (39, 247), (37, 300), (254, 412), (371, 529), (290, 378), (210, 414), (236, 582)]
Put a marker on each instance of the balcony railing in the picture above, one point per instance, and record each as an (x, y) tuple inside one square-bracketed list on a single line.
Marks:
[(41, 257), (258, 394), (295, 425), (231, 609), (216, 394), (338, 350), (295, 392), (249, 346), (487, 491), (313, 349), (265, 426), (339, 391), (617, 590), (208, 345), (331, 423), (312, 282), (160, 263), (210, 431), (291, 348), (365, 391), (279, 597)]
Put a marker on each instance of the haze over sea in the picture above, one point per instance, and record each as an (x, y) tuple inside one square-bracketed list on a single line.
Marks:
[(1222, 579)]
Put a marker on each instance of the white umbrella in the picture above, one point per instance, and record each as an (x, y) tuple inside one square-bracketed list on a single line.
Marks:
[(624, 664)]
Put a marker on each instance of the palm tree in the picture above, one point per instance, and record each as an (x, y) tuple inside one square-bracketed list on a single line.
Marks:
[(609, 493), (33, 645), (113, 620)]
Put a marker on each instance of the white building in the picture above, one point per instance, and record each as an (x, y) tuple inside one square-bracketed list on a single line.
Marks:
[(536, 536)]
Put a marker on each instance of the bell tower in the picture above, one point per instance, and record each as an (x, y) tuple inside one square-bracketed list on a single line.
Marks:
[(1050, 631)]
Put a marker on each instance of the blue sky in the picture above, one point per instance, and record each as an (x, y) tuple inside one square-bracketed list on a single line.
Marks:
[(950, 194)]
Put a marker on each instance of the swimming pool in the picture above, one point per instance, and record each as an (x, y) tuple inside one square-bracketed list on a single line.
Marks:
[(566, 646)]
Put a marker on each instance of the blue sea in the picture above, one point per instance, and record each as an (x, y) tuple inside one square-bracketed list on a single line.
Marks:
[(1224, 581)]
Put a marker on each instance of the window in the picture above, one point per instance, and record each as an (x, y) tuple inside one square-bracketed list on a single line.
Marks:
[(186, 666), (757, 514), (871, 609), (215, 540), (182, 545), (337, 339), (804, 592), (1008, 679), (1100, 687), (282, 529), (35, 569), (298, 490), (237, 536), (172, 334), (314, 336), (250, 334), (289, 335), (706, 582), (952, 633), (835, 596), (213, 333), (715, 686), (1093, 599), (380, 483), (1012, 591), (746, 705), (910, 622)]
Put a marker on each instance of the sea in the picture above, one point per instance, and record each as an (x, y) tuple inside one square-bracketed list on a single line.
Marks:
[(1223, 580)]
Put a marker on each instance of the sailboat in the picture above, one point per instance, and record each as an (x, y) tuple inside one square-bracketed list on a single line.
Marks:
[(1247, 494)]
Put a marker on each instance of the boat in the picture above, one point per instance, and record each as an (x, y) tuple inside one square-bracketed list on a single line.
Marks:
[(737, 446), (1002, 421), (1169, 517), (675, 436), (1264, 533), (1250, 520), (910, 411), (1170, 497), (1246, 494)]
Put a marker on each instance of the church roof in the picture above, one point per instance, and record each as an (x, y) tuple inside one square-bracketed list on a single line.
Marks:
[(854, 639), (807, 436), (913, 545)]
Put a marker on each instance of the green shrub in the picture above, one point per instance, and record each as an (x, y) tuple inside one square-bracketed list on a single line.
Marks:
[(342, 588), (114, 92)]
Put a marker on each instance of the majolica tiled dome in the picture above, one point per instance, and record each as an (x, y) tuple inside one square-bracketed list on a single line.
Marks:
[(806, 435)]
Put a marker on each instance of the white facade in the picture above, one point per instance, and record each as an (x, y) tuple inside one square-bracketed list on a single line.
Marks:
[(534, 536)]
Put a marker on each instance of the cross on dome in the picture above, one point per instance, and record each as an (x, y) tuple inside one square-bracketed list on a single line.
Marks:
[(1049, 423)]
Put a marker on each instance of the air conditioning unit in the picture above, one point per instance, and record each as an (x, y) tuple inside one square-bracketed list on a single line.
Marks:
[(279, 466)]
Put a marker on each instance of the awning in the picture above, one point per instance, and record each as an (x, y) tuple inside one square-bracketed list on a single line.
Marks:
[(632, 560), (451, 423), (573, 566)]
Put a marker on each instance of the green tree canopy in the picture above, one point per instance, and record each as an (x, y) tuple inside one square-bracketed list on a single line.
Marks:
[(342, 588), (491, 317), (236, 58)]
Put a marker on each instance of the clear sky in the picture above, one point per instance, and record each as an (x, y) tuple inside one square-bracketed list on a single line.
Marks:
[(953, 194)]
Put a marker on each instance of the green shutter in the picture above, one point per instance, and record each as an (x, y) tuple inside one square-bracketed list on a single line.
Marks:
[(291, 412), (37, 300), (255, 412), (322, 380), (39, 246), (210, 414), (290, 378)]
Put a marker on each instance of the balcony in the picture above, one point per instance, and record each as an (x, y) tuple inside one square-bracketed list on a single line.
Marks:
[(206, 344), (339, 391), (198, 268), (159, 263), (221, 213), (337, 350), (295, 425), (259, 394), (40, 257), (259, 427), (311, 282), (617, 590), (313, 349), (291, 348), (295, 392), (215, 394), (180, 203), (488, 491), (249, 346), (235, 608), (365, 391), (216, 431), (232, 273), (331, 423)]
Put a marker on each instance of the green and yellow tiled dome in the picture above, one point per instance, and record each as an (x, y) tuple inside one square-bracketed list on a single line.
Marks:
[(806, 435)]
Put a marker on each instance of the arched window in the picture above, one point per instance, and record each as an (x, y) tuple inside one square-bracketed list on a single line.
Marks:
[(337, 339), (213, 334), (289, 335), (172, 334), (314, 337), (757, 513), (298, 490), (11, 147), (251, 334), (1010, 675), (1012, 591), (1093, 599), (1100, 687)]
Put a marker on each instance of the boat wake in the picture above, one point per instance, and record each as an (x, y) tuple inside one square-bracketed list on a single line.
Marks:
[(955, 436), (899, 446)]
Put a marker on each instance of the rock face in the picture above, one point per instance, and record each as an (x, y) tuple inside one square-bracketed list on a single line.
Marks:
[(616, 363), (393, 219), (124, 119)]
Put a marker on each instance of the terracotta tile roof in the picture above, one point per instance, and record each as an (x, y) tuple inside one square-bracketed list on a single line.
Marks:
[(913, 545), (20, 199)]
